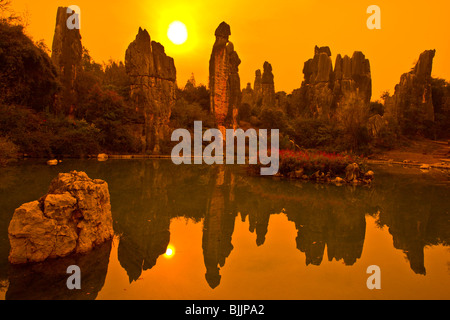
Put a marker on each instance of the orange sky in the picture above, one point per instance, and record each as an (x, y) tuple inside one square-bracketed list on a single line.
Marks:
[(281, 32)]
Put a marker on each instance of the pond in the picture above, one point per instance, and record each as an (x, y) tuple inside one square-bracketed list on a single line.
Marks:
[(215, 232)]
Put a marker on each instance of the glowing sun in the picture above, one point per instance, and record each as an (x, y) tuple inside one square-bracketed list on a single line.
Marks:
[(177, 32), (170, 251)]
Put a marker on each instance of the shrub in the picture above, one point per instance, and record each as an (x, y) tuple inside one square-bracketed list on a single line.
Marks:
[(376, 108), (195, 94), (8, 151), (27, 74), (312, 161), (25, 128), (110, 114), (272, 118), (41, 135), (311, 133), (184, 114), (73, 138)]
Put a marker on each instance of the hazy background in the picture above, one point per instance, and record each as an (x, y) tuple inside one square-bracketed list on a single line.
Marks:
[(281, 32)]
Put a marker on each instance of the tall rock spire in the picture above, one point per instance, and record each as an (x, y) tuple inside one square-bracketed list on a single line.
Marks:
[(412, 104), (153, 85), (67, 52), (224, 81)]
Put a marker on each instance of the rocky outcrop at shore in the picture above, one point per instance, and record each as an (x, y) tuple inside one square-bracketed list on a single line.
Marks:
[(73, 217), (352, 175), (153, 87)]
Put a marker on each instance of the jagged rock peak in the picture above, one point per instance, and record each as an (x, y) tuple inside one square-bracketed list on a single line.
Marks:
[(73, 217), (223, 30), (224, 81), (424, 65), (153, 82), (319, 50), (145, 57), (67, 52), (143, 35), (267, 76)]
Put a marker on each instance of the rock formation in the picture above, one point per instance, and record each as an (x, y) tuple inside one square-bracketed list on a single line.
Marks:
[(263, 95), (224, 81), (153, 85), (267, 87), (67, 52), (352, 79), (326, 91), (218, 225), (282, 101), (258, 83), (318, 84), (248, 95), (145, 228), (412, 103), (375, 125), (253, 97), (73, 217)]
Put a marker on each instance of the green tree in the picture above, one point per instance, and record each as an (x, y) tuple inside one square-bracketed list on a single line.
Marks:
[(27, 74)]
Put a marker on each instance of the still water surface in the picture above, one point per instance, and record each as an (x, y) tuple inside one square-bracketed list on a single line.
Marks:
[(235, 236)]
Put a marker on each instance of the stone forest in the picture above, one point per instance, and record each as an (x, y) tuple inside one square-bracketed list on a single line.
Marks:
[(70, 106), (86, 178)]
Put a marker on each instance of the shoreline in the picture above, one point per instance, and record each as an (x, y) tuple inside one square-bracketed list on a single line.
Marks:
[(424, 166), (443, 164)]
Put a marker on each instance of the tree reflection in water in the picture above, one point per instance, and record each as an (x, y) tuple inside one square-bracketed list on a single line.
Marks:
[(324, 215), (147, 195)]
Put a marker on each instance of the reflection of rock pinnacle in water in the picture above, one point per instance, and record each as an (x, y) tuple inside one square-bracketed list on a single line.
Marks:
[(218, 226), (146, 223)]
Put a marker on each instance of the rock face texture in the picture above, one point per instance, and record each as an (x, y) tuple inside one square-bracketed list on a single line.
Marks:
[(263, 95), (258, 83), (224, 81), (325, 91), (248, 95), (218, 225), (352, 79), (67, 52), (318, 84), (73, 217), (412, 102), (153, 78)]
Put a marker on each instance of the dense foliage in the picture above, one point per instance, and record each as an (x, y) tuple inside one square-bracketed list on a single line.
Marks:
[(312, 161), (105, 119), (27, 74)]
